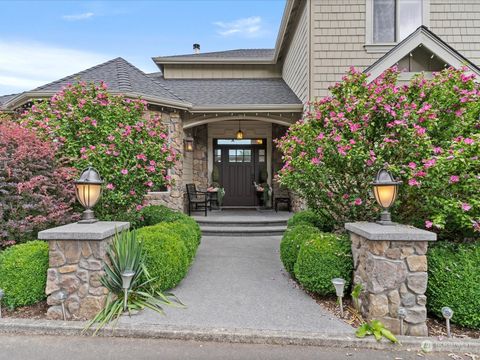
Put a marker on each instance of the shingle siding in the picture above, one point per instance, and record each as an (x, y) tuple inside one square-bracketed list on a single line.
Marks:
[(457, 22), (296, 65), (338, 37)]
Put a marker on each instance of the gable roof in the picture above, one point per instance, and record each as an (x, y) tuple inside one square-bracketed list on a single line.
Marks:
[(218, 93), (423, 36), (228, 56), (6, 98), (121, 77)]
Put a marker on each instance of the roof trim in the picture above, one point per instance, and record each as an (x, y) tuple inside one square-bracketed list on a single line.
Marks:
[(159, 60), (421, 36), (287, 12), (248, 108)]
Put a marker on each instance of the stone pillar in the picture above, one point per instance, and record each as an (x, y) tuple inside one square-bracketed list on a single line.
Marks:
[(77, 253), (391, 264)]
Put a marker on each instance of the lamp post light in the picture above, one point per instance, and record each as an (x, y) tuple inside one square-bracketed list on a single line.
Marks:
[(402, 314), (62, 296), (339, 288), (127, 277), (189, 144), (88, 190), (385, 189), (447, 313), (2, 294)]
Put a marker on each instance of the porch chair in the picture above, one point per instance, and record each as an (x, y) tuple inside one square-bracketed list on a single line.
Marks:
[(197, 200)]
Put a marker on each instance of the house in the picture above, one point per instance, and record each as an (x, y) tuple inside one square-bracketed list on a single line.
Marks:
[(258, 93)]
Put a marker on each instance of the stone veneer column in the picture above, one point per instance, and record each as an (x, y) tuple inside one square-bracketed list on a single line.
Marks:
[(77, 253), (391, 264)]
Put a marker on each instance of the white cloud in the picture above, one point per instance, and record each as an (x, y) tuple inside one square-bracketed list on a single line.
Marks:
[(248, 27), (76, 17), (26, 65)]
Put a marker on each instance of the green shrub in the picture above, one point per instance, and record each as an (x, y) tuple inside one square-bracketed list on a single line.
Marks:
[(318, 219), (454, 281), (322, 258), (23, 273), (293, 238), (155, 214), (188, 232), (166, 256)]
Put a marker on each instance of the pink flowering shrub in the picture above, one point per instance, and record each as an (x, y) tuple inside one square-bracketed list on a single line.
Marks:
[(35, 192), (117, 136), (427, 133)]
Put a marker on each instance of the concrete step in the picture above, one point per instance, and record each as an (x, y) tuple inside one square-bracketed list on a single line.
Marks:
[(240, 223), (243, 231)]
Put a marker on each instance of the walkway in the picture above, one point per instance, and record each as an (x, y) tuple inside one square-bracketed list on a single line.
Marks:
[(239, 282)]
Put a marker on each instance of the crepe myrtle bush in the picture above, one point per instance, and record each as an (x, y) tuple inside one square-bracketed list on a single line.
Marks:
[(118, 136), (36, 191), (427, 133)]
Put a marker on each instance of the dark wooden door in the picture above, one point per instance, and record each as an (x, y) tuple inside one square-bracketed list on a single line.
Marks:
[(238, 167)]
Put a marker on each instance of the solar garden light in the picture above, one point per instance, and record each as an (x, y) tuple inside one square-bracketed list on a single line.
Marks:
[(447, 313), (2, 294), (127, 277), (88, 190), (62, 296), (339, 288), (402, 314), (385, 189)]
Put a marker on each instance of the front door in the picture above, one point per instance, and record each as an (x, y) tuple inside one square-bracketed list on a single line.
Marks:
[(237, 165)]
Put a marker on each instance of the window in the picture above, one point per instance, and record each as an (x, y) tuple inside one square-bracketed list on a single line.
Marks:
[(239, 155), (261, 155), (239, 142), (393, 20), (218, 155)]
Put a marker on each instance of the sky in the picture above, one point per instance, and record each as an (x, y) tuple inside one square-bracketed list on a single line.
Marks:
[(42, 41)]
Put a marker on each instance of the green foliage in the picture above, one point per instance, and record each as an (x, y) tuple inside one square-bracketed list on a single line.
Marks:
[(126, 254), (188, 231), (319, 219), (125, 142), (166, 256), (322, 258), (377, 329), (155, 214), (23, 273), (357, 290), (454, 281), (427, 133), (292, 240)]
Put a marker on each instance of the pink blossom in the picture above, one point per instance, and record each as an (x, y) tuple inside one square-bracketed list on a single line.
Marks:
[(345, 196), (132, 192), (110, 186), (92, 147), (321, 136), (412, 165), (466, 207), (315, 161), (437, 150), (83, 150), (358, 201), (454, 179), (124, 171), (142, 157), (428, 224), (110, 137), (413, 182), (468, 141), (149, 184), (139, 207)]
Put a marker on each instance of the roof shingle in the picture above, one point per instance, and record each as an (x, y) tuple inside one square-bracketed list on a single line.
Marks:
[(247, 54)]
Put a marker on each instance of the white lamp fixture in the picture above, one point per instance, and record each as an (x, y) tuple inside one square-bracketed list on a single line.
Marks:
[(62, 296), (402, 314), (339, 289), (88, 190), (127, 277), (447, 313), (385, 189)]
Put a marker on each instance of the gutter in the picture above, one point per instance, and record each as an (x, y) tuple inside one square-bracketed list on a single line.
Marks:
[(248, 108)]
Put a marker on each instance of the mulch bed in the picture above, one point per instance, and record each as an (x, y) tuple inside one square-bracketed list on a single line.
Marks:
[(35, 312), (436, 327)]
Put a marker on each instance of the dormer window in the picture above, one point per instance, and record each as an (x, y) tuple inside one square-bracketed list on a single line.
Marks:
[(391, 21)]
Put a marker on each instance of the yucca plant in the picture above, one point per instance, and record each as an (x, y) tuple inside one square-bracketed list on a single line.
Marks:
[(126, 254)]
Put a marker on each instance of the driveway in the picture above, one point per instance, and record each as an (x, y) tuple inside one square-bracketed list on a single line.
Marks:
[(239, 282)]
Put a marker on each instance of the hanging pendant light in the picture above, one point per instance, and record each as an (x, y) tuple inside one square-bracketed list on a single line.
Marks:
[(239, 134)]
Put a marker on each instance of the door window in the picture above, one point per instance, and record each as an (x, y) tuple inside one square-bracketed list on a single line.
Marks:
[(239, 155)]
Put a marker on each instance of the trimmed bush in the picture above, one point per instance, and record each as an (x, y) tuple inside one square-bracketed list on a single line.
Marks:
[(155, 214), (318, 219), (187, 232), (292, 240), (454, 281), (166, 256), (23, 273), (322, 258)]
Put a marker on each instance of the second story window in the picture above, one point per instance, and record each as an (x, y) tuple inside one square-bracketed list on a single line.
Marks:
[(394, 20)]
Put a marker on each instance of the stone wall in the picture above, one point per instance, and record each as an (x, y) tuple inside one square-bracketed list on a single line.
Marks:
[(77, 254), (200, 157), (393, 274), (173, 197)]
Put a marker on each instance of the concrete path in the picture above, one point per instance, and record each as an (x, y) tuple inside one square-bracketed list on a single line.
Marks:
[(239, 282), (86, 348)]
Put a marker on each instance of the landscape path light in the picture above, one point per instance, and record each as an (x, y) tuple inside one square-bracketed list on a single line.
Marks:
[(447, 313), (88, 189), (385, 189), (2, 294), (62, 296), (402, 314), (127, 277), (339, 289)]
